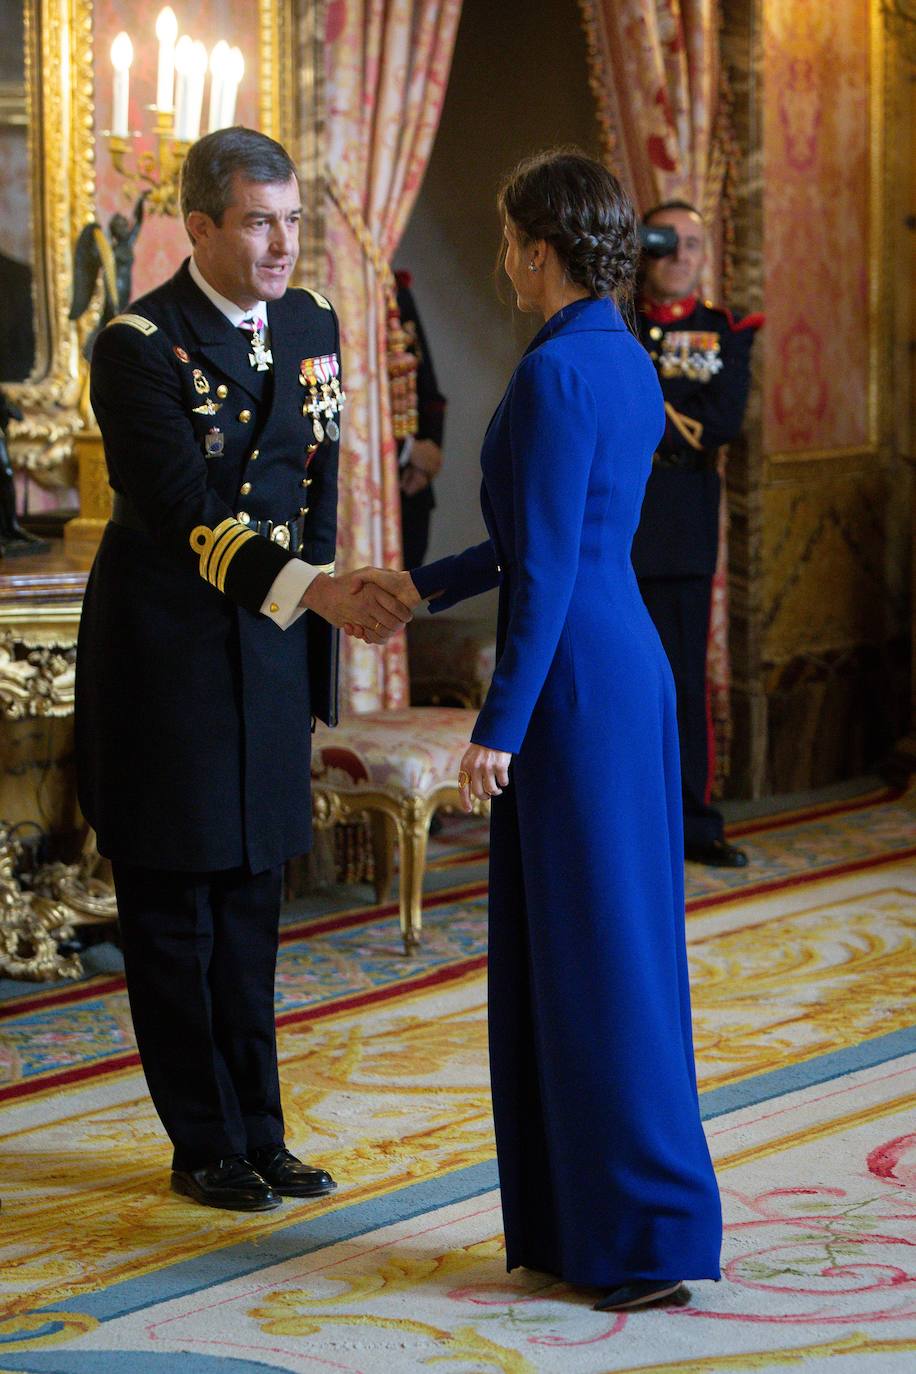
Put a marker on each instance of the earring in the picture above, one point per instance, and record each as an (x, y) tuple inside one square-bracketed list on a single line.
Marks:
[(532, 267)]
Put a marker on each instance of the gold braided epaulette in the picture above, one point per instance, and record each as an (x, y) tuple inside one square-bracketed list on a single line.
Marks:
[(218, 547), (318, 298), (136, 322)]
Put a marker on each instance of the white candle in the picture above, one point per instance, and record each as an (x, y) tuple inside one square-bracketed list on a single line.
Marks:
[(166, 32), (122, 54), (182, 69), (196, 77), (235, 70), (218, 62)]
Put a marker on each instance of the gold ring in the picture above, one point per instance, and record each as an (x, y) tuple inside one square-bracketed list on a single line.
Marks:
[(464, 779), (378, 626)]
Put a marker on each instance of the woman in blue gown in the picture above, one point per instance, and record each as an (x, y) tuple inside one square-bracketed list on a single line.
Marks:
[(605, 1174)]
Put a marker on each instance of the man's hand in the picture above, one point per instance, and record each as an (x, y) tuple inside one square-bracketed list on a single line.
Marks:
[(426, 456), (359, 604), (423, 465), (413, 480), (397, 584)]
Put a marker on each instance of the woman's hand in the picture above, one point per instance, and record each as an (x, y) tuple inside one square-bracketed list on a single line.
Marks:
[(483, 773)]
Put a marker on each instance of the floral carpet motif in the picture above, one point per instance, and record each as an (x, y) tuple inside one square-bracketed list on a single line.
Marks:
[(803, 1013)]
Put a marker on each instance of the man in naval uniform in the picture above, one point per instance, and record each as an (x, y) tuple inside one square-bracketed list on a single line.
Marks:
[(206, 642), (702, 355), (419, 455)]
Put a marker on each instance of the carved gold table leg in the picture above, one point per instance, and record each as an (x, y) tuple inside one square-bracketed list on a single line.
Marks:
[(407, 814), (383, 833), (413, 836)]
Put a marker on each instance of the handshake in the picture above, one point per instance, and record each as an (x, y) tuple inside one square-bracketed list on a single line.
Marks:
[(369, 604)]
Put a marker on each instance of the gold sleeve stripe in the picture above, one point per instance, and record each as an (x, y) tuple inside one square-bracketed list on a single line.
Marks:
[(135, 322), (218, 547), (688, 428), (318, 298), (223, 554)]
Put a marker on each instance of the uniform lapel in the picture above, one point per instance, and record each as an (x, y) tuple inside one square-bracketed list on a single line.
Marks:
[(215, 337)]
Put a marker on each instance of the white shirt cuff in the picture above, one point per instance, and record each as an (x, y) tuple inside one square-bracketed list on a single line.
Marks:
[(281, 604)]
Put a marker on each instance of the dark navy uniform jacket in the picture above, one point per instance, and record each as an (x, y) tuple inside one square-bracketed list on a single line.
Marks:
[(193, 709), (702, 355)]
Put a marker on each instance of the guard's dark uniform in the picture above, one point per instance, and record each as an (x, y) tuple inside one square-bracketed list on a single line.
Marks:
[(417, 509), (193, 709), (702, 355)]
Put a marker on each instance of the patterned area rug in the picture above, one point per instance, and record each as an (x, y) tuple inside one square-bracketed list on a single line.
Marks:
[(802, 974)]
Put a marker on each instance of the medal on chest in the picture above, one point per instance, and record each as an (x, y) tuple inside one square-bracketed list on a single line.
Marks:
[(325, 397), (690, 353), (259, 355)]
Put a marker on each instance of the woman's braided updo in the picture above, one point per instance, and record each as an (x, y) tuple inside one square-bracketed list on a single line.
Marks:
[(579, 208)]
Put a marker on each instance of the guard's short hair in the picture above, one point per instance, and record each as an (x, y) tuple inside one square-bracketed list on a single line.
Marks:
[(673, 205), (211, 163)]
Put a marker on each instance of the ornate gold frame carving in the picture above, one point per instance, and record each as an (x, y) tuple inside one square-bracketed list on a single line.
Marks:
[(59, 93)]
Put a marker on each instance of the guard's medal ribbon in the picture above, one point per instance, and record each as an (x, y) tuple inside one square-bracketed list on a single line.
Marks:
[(690, 353)]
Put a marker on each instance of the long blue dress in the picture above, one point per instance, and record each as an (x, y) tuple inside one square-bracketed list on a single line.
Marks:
[(604, 1169)]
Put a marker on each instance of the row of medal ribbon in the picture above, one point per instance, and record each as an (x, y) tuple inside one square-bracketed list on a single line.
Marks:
[(325, 395)]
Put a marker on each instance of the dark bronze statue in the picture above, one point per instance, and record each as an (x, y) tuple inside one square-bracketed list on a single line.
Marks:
[(13, 538), (113, 256)]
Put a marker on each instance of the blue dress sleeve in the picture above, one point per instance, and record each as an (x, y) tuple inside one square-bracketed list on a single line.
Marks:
[(553, 429), (453, 579)]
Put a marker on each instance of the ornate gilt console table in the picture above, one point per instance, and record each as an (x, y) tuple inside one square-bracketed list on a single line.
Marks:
[(40, 602)]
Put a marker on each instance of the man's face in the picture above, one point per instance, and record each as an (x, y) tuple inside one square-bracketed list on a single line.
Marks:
[(672, 278), (250, 256)]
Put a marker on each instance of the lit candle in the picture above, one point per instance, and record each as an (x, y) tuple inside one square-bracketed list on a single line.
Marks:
[(235, 70), (166, 32), (219, 59), (183, 54), (122, 54), (197, 75)]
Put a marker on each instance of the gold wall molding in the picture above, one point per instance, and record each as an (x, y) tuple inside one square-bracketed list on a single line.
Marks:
[(36, 679)]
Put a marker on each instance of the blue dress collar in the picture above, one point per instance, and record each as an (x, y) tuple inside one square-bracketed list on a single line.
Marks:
[(587, 314)]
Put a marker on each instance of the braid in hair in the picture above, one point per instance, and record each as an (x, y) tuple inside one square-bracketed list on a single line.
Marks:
[(580, 208)]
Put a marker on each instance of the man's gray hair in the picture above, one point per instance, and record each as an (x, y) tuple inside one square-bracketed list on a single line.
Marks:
[(211, 163)]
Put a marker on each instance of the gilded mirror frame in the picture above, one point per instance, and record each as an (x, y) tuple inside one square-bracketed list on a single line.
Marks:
[(60, 109)]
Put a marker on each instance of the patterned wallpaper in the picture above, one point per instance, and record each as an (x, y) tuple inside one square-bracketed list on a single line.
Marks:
[(15, 225), (816, 235), (162, 244)]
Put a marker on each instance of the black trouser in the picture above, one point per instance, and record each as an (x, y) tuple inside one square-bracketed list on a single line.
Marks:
[(680, 607), (200, 954)]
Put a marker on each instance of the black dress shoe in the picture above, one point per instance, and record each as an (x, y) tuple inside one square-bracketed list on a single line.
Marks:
[(287, 1175), (716, 854), (644, 1293), (229, 1183)]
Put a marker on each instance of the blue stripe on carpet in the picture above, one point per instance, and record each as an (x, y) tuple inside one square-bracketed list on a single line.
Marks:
[(302, 1238), (126, 1362)]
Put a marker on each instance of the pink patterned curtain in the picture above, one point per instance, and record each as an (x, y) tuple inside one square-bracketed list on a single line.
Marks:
[(386, 70), (654, 71)]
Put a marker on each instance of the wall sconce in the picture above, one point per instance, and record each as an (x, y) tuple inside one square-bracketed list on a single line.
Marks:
[(180, 80)]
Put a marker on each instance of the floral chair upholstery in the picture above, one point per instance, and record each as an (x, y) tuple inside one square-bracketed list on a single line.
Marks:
[(450, 660), (399, 768)]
